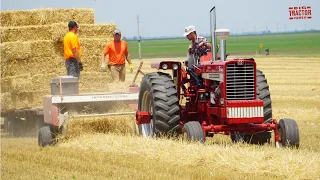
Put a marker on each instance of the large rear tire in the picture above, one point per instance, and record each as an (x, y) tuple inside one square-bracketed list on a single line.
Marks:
[(158, 96), (263, 93), (192, 131)]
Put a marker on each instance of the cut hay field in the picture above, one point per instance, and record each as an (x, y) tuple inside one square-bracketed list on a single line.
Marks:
[(109, 149)]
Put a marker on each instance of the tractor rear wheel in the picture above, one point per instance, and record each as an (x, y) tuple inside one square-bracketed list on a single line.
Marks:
[(192, 131), (158, 96), (45, 137), (263, 93), (289, 133)]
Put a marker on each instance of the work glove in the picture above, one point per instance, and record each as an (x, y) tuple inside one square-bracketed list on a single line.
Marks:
[(131, 68), (103, 68), (80, 66)]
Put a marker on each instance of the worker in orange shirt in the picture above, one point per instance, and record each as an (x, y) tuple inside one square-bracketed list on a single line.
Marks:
[(72, 51), (117, 51)]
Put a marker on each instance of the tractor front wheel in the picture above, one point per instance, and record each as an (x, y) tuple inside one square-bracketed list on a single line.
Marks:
[(192, 131), (158, 96), (289, 133)]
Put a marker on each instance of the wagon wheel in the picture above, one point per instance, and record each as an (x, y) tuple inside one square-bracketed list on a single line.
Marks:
[(46, 136)]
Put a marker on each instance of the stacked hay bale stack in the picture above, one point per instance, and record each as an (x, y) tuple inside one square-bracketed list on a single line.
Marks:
[(32, 53)]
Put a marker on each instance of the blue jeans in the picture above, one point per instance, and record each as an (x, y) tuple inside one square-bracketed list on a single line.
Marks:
[(194, 77), (72, 67)]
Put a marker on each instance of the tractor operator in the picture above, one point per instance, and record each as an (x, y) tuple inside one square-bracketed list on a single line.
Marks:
[(72, 51), (197, 43), (118, 52)]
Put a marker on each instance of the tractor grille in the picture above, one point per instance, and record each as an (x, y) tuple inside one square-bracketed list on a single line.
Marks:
[(240, 81)]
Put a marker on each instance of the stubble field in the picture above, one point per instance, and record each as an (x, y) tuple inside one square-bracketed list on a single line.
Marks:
[(117, 153)]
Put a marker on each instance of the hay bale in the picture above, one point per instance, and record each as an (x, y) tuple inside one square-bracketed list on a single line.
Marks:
[(26, 33), (6, 102), (36, 65), (15, 51), (14, 68), (19, 50), (6, 85), (46, 16), (21, 84), (16, 84), (5, 68)]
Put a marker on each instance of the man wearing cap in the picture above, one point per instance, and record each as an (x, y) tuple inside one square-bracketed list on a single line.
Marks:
[(117, 51), (72, 51), (197, 42)]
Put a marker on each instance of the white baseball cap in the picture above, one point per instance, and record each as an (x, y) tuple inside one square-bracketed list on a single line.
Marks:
[(188, 30), (117, 31)]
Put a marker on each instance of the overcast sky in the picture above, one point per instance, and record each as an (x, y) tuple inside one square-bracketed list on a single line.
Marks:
[(169, 17)]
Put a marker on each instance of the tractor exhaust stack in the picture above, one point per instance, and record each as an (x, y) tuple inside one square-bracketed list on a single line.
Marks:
[(213, 36)]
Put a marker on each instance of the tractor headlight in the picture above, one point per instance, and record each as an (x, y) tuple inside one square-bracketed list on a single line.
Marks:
[(175, 66), (164, 66)]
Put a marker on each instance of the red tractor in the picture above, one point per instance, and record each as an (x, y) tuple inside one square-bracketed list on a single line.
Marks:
[(215, 96)]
